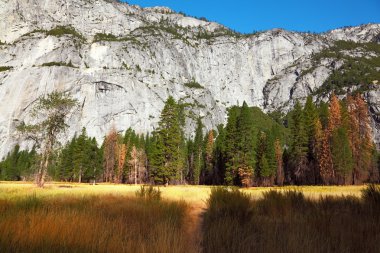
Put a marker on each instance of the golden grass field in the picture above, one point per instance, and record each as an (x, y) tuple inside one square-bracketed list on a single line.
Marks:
[(195, 195), (69, 217)]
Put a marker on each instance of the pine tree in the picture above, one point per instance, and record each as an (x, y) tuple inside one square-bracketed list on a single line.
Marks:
[(341, 155), (324, 114), (231, 146), (157, 161), (53, 110), (271, 154), (95, 161), (169, 142), (279, 162), (311, 115), (190, 161), (245, 145), (266, 166), (66, 166), (10, 170), (318, 149), (219, 157), (198, 152), (18, 164), (299, 146), (80, 159)]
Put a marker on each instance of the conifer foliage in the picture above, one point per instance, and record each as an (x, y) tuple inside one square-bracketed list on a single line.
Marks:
[(329, 143), (51, 112), (167, 158), (18, 165), (79, 160)]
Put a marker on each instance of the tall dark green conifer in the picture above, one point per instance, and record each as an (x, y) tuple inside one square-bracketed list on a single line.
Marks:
[(219, 156), (324, 114), (18, 164), (231, 146), (198, 152), (266, 165), (245, 145), (65, 167), (310, 118), (80, 160), (299, 146), (341, 155), (167, 156), (80, 155)]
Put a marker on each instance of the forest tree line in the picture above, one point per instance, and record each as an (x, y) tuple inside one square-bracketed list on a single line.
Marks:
[(330, 144)]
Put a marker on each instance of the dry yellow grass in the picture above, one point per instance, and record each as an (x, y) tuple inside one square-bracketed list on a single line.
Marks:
[(195, 196), (59, 220), (66, 217), (192, 194), (313, 192)]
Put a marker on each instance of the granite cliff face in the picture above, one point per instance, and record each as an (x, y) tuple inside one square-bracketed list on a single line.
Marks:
[(122, 62)]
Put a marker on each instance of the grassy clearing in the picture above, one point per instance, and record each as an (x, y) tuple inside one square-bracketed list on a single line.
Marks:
[(66, 217), (287, 221), (89, 223), (195, 195)]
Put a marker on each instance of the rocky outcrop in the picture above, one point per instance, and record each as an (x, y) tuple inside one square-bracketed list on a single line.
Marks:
[(121, 62)]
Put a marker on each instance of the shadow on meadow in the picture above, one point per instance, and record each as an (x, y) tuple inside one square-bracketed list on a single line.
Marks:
[(279, 221), (288, 222)]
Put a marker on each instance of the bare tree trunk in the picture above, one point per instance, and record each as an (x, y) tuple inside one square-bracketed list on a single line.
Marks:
[(135, 166), (80, 176), (43, 171), (39, 172)]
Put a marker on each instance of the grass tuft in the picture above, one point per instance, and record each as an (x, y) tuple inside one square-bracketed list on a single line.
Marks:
[(149, 193)]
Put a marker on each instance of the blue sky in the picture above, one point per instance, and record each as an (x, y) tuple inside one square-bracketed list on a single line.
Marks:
[(256, 15)]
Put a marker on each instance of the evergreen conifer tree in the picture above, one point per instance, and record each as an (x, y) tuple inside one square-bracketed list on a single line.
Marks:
[(219, 156), (279, 163), (231, 146), (198, 152), (167, 156), (341, 155), (245, 145), (299, 145)]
